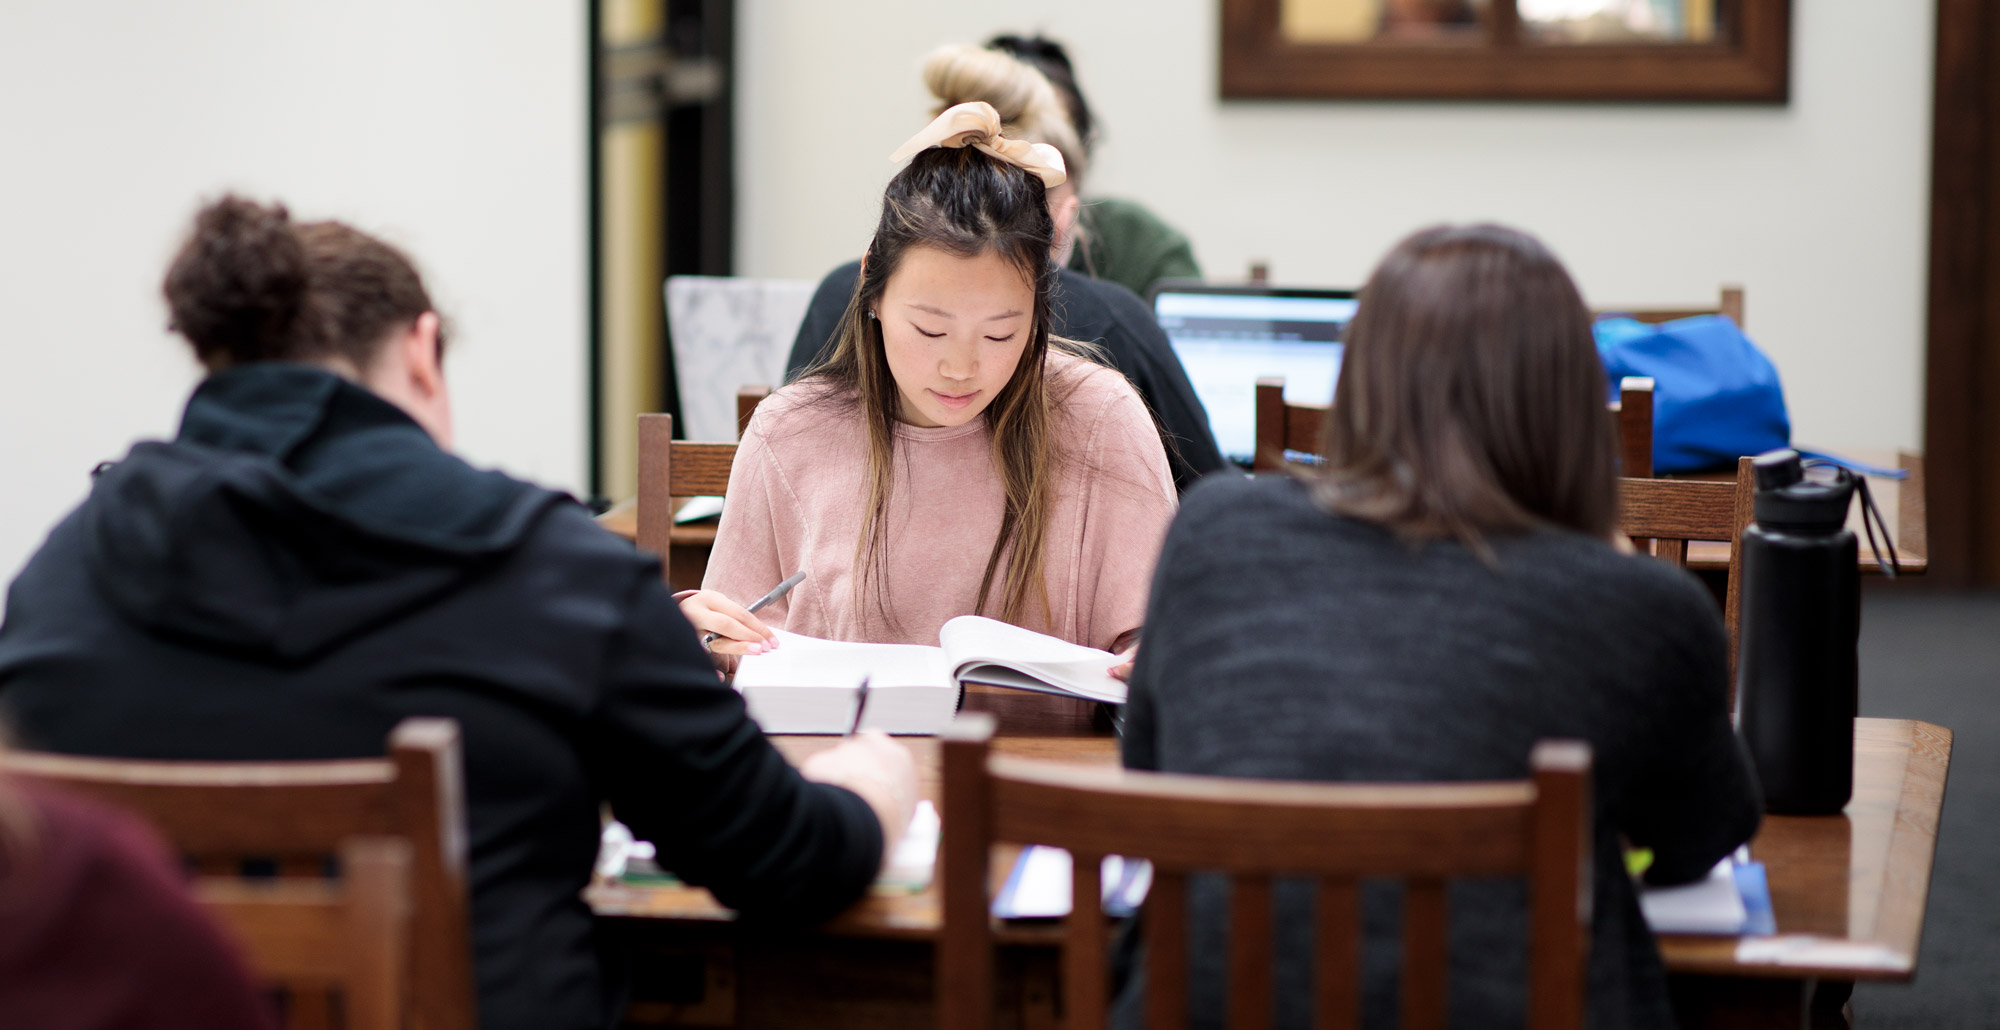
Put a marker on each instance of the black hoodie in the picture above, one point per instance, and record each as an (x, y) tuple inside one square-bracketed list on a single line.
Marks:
[(303, 567)]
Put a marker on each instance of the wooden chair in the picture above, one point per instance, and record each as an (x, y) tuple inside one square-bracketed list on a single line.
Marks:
[(351, 938), (300, 814), (671, 469), (1253, 831), (1730, 302), (1668, 513), (1633, 412), (1283, 426)]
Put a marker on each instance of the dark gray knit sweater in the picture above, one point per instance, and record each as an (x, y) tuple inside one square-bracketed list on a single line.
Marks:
[(1286, 643)]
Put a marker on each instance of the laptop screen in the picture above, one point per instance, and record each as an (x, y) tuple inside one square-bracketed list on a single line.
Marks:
[(1229, 337)]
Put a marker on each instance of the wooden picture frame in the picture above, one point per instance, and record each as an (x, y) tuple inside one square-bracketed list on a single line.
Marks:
[(1749, 63)]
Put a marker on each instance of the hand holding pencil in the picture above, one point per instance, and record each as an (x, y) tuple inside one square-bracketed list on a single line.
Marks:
[(728, 628)]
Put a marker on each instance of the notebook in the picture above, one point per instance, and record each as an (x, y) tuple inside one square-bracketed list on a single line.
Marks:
[(1228, 337), (1732, 899), (807, 685)]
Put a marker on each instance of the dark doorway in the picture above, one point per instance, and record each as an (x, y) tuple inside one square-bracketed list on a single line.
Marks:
[(1962, 362), (661, 203)]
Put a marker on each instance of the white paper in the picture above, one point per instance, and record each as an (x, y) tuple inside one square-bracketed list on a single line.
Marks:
[(1039, 887), (1712, 904), (915, 860)]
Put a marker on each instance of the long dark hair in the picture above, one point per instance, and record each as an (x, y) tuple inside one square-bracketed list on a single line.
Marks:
[(965, 203), (249, 284), (1471, 399)]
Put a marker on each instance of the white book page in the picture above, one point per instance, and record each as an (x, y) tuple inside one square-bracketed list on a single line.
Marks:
[(802, 661), (972, 641), (1712, 904)]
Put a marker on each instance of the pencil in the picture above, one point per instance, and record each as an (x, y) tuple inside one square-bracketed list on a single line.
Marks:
[(860, 706), (755, 606)]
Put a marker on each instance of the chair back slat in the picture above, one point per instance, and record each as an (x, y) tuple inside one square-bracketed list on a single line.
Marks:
[(314, 937), (701, 469), (231, 810), (1681, 509), (1252, 832), (1559, 944), (1084, 946), (1303, 424), (747, 399), (1426, 954), (965, 946), (1250, 827), (1671, 512), (220, 814), (1635, 427), (672, 469), (1250, 953), (1337, 955), (1728, 302), (1283, 426), (1166, 951)]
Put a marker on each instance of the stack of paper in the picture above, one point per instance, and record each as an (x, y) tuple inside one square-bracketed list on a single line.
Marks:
[(1039, 885), (1732, 899)]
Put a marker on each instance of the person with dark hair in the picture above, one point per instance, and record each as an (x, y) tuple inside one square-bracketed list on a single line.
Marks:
[(307, 564), (950, 455), (1089, 310), (1116, 240), (97, 931), (1439, 595)]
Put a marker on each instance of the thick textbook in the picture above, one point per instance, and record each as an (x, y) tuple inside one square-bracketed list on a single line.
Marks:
[(807, 685)]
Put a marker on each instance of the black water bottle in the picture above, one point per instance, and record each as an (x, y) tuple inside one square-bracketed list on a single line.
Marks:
[(1796, 670)]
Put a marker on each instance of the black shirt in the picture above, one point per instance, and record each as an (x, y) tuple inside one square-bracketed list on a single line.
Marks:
[(1286, 643), (1082, 308), (303, 567)]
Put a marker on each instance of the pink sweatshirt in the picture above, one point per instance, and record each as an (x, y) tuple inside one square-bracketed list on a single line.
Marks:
[(799, 490)]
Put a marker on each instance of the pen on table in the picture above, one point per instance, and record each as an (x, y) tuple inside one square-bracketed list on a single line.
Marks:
[(860, 706), (776, 592)]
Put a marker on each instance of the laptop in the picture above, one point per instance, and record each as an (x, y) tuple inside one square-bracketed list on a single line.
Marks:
[(1228, 337)]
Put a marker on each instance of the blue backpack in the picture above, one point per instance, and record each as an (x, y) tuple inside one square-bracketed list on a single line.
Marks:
[(1715, 395)]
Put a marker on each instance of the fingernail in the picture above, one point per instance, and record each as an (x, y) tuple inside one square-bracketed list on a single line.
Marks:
[(756, 649)]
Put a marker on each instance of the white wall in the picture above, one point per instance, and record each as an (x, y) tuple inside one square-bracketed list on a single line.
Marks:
[(454, 128), (1819, 208)]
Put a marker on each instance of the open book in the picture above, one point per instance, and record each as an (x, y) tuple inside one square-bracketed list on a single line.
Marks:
[(807, 685)]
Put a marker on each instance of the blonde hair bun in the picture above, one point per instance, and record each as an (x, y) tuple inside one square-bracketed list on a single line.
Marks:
[(1028, 105)]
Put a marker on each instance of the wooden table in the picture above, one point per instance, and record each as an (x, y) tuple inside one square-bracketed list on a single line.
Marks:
[(1848, 893), (1902, 503)]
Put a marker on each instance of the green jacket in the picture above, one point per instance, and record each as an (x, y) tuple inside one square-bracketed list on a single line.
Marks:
[(1123, 242)]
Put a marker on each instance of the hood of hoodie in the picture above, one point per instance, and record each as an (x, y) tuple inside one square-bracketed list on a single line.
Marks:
[(294, 511)]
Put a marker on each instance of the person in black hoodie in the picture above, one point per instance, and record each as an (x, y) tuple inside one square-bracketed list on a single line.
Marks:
[(306, 564)]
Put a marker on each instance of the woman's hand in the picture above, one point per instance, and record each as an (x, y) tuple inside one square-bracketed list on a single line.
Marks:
[(1123, 670), (737, 632)]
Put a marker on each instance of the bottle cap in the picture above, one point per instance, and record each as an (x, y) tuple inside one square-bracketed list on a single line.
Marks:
[(1788, 501)]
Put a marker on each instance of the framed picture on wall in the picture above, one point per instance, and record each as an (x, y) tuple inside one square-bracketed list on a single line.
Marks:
[(1646, 50)]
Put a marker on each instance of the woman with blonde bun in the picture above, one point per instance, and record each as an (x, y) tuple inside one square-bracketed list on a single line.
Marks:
[(1116, 239), (1088, 310)]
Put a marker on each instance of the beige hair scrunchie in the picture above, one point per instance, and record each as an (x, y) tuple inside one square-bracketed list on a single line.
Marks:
[(977, 124)]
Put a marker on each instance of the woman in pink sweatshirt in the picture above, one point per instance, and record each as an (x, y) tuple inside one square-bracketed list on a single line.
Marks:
[(949, 457)]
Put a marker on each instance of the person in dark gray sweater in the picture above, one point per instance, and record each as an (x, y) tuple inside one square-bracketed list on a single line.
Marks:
[(1439, 596)]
